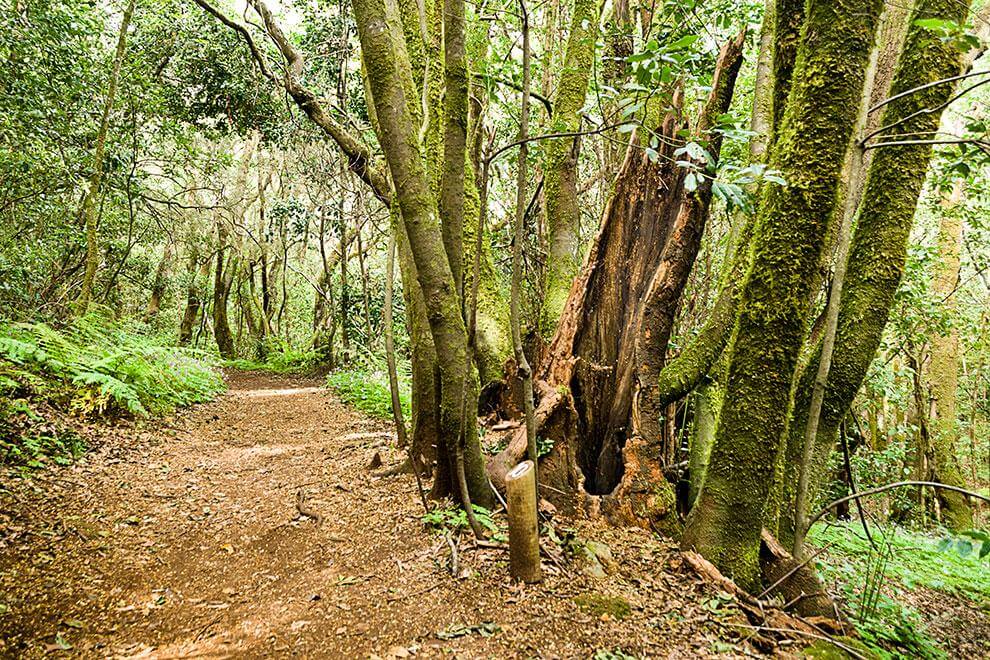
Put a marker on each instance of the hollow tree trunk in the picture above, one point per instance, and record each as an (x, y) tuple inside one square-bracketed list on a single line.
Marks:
[(628, 289)]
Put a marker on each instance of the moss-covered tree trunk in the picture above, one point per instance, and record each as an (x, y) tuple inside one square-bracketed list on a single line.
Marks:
[(943, 368), (194, 299), (389, 77), (560, 179), (726, 521), (879, 247)]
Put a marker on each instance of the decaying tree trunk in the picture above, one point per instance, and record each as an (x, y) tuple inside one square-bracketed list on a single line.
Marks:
[(624, 298)]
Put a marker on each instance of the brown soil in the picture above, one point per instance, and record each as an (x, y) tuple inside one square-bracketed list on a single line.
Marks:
[(184, 540)]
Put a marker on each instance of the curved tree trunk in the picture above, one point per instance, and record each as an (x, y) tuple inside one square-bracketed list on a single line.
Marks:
[(879, 248), (389, 76)]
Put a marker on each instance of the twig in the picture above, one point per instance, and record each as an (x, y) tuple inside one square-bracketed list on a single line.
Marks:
[(393, 599), (305, 511), (453, 554)]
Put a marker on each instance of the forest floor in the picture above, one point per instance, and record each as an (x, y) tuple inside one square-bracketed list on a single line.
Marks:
[(183, 539)]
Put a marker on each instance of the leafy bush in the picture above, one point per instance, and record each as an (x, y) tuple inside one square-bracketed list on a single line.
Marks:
[(95, 366), (285, 360), (366, 389)]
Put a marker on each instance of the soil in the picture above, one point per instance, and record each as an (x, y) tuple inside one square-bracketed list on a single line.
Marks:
[(183, 539)]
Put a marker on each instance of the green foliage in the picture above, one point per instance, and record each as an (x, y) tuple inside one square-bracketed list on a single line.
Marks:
[(99, 367), (906, 561), (366, 389), (612, 654), (968, 542), (453, 518), (282, 360)]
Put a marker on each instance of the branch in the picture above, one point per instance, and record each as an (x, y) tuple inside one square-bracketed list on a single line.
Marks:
[(243, 31), (359, 156), (551, 136), (922, 88), (899, 484)]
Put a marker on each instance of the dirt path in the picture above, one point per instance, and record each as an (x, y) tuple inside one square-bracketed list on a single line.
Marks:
[(185, 541)]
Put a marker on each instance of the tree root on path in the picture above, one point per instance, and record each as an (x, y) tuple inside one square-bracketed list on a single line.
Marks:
[(766, 616), (305, 511)]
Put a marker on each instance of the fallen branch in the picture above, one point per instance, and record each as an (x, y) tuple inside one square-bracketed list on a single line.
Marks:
[(305, 511)]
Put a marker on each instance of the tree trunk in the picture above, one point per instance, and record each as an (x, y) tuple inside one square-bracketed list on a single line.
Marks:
[(879, 249), (648, 236), (726, 522), (389, 76), (943, 369), (89, 213), (193, 298), (563, 213), (158, 286)]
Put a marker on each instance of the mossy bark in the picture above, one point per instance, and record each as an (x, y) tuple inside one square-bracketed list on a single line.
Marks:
[(726, 522), (879, 247), (563, 214), (943, 373), (788, 18), (89, 210), (389, 77)]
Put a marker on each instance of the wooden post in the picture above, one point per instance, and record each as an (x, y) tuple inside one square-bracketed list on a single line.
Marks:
[(524, 540)]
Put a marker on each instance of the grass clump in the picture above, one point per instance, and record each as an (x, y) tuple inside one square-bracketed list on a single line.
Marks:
[(92, 367), (366, 388)]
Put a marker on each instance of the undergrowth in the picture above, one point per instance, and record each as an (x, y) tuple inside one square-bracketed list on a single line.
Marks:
[(280, 359), (874, 581), (365, 387), (91, 368)]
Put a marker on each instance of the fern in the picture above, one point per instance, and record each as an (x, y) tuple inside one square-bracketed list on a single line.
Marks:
[(108, 367)]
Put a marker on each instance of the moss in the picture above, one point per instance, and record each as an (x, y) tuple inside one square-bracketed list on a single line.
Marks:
[(879, 247), (563, 214), (789, 239), (494, 340), (602, 604)]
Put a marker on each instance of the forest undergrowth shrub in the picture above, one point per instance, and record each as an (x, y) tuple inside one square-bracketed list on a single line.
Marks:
[(364, 386), (91, 368), (279, 358), (874, 582)]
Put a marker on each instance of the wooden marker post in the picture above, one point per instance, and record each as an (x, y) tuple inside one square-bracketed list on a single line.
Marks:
[(524, 540)]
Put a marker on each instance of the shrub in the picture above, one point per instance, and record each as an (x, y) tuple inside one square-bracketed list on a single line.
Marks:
[(366, 389)]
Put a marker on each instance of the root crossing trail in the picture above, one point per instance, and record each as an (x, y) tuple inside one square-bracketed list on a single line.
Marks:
[(185, 540)]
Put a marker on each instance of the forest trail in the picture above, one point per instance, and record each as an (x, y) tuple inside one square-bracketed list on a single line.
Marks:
[(185, 541)]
